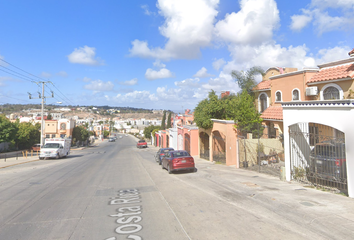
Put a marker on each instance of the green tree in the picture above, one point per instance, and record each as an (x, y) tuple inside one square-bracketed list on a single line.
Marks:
[(105, 133), (246, 79), (163, 121), (80, 134), (169, 120), (148, 130), (247, 118), (8, 130), (209, 108), (49, 117), (27, 135)]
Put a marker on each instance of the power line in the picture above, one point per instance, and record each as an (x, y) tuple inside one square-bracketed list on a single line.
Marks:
[(21, 69), (63, 97), (15, 98), (62, 94), (14, 75)]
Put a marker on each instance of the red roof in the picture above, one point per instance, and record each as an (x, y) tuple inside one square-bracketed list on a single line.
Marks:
[(263, 85), (351, 52), (334, 73), (273, 113)]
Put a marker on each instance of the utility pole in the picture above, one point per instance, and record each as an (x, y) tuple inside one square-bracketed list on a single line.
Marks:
[(41, 96)]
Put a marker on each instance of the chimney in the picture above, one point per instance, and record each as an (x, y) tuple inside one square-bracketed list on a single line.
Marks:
[(225, 93), (351, 53)]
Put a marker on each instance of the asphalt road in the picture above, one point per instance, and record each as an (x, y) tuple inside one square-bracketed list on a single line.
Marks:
[(116, 191)]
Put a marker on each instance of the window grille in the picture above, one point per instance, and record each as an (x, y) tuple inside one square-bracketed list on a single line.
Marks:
[(331, 93)]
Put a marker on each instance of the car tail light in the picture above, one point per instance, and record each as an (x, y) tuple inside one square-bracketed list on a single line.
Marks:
[(161, 154), (339, 162)]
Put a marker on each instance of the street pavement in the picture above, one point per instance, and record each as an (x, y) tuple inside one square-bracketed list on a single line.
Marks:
[(21, 159), (260, 203)]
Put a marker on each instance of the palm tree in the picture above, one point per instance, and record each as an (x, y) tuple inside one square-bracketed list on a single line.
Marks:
[(246, 79)]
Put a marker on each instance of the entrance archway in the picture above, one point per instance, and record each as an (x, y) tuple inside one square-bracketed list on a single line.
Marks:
[(187, 143), (219, 149), (204, 146), (318, 155)]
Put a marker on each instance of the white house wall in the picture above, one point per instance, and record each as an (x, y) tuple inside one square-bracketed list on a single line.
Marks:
[(338, 114)]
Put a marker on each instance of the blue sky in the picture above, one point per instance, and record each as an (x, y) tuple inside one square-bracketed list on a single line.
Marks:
[(163, 54)]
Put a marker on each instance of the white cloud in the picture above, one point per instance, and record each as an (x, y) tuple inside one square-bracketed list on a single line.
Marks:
[(46, 75), (321, 19), (131, 82), (298, 22), (159, 64), (62, 74), (202, 73), (217, 64), (222, 83), (99, 86), (332, 54), (188, 83), (147, 11), (253, 24), (84, 55), (136, 96), (162, 73), (188, 27), (86, 79), (324, 4), (325, 23)]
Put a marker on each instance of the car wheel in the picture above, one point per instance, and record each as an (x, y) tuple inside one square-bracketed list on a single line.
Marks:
[(192, 170), (57, 157), (41, 158), (168, 169), (160, 162)]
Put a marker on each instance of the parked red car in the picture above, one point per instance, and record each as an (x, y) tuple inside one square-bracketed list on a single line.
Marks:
[(179, 160), (141, 144)]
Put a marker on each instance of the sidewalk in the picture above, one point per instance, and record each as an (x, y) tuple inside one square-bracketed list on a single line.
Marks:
[(15, 161), (12, 161)]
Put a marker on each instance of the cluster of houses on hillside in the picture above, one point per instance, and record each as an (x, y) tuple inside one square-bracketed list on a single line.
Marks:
[(61, 126), (301, 109)]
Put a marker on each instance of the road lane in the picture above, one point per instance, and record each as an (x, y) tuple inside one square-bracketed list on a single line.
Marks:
[(70, 198), (116, 191)]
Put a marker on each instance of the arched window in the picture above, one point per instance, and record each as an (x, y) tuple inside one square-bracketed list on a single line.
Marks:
[(331, 93), (278, 96), (263, 101), (296, 95)]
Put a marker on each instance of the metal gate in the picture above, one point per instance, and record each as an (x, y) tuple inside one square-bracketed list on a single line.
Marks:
[(187, 143), (262, 153), (219, 150), (204, 146), (318, 156)]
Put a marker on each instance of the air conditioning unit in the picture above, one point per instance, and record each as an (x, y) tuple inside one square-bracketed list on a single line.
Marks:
[(311, 91)]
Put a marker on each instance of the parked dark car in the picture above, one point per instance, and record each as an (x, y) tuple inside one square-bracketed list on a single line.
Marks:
[(328, 162), (160, 153), (178, 161), (36, 147)]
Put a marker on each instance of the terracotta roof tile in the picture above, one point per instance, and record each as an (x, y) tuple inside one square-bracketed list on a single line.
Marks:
[(351, 52), (333, 73), (263, 85), (273, 112)]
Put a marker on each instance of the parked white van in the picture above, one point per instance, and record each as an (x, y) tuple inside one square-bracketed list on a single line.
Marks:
[(55, 148)]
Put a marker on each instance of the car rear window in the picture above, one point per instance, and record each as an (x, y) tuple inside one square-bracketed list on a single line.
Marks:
[(180, 154)]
